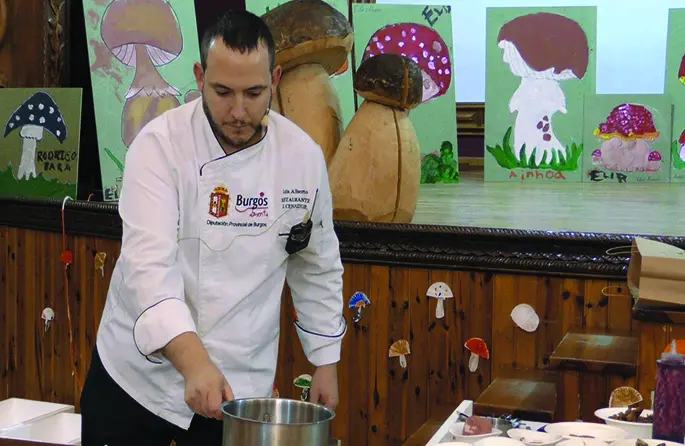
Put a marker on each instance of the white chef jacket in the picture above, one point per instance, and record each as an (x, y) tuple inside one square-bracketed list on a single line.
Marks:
[(203, 250)]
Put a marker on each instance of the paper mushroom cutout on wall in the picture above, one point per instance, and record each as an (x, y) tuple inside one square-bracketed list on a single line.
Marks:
[(143, 35), (625, 397), (376, 172), (313, 41), (478, 349), (626, 134), (358, 302), (422, 45), (33, 117), (440, 291), (303, 382), (525, 317), (48, 315), (400, 349)]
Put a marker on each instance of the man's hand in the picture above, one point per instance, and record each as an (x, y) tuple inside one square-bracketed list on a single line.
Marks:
[(324, 388), (206, 386)]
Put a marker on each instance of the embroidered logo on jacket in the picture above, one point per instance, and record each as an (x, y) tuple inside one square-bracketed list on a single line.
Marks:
[(219, 202), (254, 206)]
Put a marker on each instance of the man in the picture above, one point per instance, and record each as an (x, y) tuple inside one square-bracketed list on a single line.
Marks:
[(210, 193)]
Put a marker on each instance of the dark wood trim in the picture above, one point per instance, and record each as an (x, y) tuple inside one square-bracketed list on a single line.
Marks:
[(421, 246), (54, 43), (471, 118)]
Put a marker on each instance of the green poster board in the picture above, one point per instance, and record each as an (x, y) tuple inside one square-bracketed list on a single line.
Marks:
[(627, 138), (424, 34), (540, 64), (141, 62), (39, 148), (675, 88), (342, 83)]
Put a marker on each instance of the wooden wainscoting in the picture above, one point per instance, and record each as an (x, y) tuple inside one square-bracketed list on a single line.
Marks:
[(381, 403)]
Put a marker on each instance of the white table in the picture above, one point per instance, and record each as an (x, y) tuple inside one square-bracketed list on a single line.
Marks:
[(466, 408)]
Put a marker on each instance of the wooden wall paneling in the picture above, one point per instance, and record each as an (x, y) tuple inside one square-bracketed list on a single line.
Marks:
[(378, 358), (418, 388)]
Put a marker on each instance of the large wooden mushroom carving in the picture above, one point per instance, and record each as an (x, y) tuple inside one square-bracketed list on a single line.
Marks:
[(376, 171), (313, 41)]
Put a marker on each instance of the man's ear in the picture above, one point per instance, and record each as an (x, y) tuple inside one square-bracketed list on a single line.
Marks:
[(199, 75), (276, 76)]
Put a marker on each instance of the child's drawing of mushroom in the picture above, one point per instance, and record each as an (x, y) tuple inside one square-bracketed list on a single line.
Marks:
[(143, 34), (400, 349), (313, 41), (681, 71), (421, 44), (525, 317), (478, 349), (440, 291), (358, 302), (303, 382), (35, 115), (681, 142), (542, 49), (626, 134)]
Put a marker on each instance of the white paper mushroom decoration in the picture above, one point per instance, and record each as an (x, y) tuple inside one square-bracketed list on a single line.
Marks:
[(525, 317), (35, 115), (478, 349), (303, 382), (440, 291), (400, 349)]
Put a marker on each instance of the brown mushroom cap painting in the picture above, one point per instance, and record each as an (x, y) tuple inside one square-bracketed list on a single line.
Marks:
[(400, 349)]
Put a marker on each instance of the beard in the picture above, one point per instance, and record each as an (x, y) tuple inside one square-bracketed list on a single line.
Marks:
[(222, 137)]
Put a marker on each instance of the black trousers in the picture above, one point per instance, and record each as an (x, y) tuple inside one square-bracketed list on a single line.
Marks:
[(110, 417)]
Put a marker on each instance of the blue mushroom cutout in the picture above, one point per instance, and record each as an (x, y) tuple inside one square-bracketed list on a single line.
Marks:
[(37, 114), (440, 291), (358, 302)]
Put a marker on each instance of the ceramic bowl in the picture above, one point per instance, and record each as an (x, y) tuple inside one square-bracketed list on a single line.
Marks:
[(634, 430), (457, 431), (534, 438)]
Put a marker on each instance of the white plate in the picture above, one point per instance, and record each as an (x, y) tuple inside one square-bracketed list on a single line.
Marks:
[(634, 430), (533, 438), (586, 431), (454, 443), (650, 442), (457, 429), (498, 441), (581, 442)]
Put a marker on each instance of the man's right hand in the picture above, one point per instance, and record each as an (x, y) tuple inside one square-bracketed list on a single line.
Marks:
[(206, 386)]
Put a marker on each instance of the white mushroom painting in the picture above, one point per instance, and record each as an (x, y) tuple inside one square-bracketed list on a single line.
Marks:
[(144, 35), (35, 116), (545, 51)]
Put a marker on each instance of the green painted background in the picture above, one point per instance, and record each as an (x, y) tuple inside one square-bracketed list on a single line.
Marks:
[(435, 121), (51, 183), (674, 88), (342, 83), (111, 80), (597, 109), (501, 85)]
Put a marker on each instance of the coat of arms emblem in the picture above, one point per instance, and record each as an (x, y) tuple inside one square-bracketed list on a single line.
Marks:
[(218, 202)]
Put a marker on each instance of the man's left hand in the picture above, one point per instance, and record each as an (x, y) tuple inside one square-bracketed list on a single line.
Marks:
[(324, 388)]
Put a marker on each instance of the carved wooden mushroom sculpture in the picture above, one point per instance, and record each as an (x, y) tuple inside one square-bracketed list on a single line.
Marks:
[(400, 349), (376, 172), (303, 382), (478, 349), (358, 302), (440, 291), (313, 41), (143, 34), (625, 397), (35, 115)]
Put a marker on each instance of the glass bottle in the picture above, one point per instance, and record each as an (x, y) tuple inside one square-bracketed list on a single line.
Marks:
[(669, 397)]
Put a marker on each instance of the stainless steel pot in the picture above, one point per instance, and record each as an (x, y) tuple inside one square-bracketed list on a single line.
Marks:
[(275, 422)]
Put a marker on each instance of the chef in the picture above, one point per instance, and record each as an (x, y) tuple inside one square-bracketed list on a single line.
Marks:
[(222, 201)]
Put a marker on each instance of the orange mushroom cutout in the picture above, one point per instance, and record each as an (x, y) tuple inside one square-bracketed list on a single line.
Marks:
[(677, 346), (440, 291), (401, 349), (478, 349)]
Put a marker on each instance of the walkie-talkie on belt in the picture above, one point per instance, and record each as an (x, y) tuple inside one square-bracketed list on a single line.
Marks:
[(299, 235)]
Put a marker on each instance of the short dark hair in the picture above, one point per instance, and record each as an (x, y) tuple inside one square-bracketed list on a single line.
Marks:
[(241, 31)]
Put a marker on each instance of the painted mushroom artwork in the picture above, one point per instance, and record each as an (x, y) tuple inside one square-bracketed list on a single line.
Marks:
[(681, 144), (400, 349), (440, 291), (424, 46), (478, 349), (143, 34), (626, 135), (376, 172), (358, 302), (38, 114), (543, 49), (625, 397), (313, 41), (303, 382), (525, 317)]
